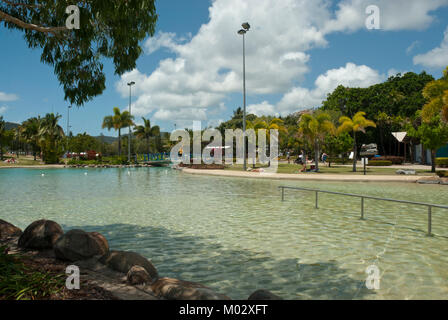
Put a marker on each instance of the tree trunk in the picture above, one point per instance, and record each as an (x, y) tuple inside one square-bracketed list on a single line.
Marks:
[(149, 146), (382, 140), (433, 161), (354, 151), (316, 155), (119, 142), (423, 155)]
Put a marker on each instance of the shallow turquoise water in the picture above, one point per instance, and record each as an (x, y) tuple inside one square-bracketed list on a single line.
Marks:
[(235, 235)]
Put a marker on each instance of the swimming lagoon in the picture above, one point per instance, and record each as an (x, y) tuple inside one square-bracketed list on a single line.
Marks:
[(236, 235)]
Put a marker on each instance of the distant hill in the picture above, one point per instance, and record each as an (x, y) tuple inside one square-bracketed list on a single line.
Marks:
[(106, 139)]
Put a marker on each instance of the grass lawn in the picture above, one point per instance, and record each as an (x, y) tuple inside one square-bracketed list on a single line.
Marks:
[(335, 169), (22, 161)]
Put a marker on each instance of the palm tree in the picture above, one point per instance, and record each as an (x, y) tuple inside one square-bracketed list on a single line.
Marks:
[(118, 121), (356, 124), (50, 135), (29, 131), (146, 132), (272, 124), (315, 128)]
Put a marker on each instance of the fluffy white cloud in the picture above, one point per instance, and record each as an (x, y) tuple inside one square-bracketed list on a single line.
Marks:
[(350, 76), (394, 15), (437, 57), (264, 108), (302, 98), (208, 66), (3, 109), (191, 114), (167, 40), (8, 97)]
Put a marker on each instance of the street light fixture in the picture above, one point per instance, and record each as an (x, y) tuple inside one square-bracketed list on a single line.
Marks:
[(243, 32), (68, 119), (68, 126), (130, 84)]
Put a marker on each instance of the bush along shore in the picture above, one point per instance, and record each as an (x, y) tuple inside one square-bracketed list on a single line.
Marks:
[(33, 265)]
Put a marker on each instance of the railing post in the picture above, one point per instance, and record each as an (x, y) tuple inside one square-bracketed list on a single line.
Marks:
[(317, 200), (283, 194), (362, 208), (429, 220)]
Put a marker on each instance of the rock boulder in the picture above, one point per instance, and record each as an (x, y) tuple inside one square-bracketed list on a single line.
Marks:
[(174, 289), (8, 230), (41, 234), (138, 275), (80, 245), (123, 261), (263, 295)]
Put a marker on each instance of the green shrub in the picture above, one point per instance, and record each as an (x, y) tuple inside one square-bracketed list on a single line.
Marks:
[(119, 160), (19, 282), (442, 162), (442, 174), (380, 163), (393, 159), (83, 162)]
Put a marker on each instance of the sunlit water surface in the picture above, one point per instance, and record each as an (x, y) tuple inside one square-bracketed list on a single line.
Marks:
[(236, 236)]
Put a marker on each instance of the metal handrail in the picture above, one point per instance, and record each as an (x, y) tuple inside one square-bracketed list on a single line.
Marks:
[(362, 197)]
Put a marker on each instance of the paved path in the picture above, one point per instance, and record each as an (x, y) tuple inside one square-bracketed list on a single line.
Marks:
[(305, 176)]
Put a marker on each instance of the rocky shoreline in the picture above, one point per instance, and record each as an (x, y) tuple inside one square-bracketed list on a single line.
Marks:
[(105, 274), (107, 166)]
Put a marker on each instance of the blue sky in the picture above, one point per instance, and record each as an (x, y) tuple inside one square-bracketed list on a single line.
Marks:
[(297, 52)]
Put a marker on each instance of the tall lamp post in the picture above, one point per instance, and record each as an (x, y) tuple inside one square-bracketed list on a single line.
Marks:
[(68, 126), (242, 32), (130, 84)]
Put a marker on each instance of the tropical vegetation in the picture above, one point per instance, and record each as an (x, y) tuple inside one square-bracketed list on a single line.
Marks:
[(118, 121)]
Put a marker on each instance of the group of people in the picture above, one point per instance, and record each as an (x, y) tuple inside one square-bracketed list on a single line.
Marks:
[(303, 159), (11, 160)]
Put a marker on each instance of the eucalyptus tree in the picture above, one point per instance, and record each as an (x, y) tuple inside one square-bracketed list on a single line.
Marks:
[(436, 93), (107, 30)]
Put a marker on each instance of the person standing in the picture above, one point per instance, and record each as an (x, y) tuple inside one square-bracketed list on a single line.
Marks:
[(324, 158)]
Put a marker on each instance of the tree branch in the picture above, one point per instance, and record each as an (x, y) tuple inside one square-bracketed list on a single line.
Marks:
[(30, 26), (14, 4)]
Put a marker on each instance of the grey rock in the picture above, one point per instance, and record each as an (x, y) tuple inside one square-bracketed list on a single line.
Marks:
[(8, 230), (123, 261), (138, 275), (80, 245), (174, 289), (41, 234), (263, 295)]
